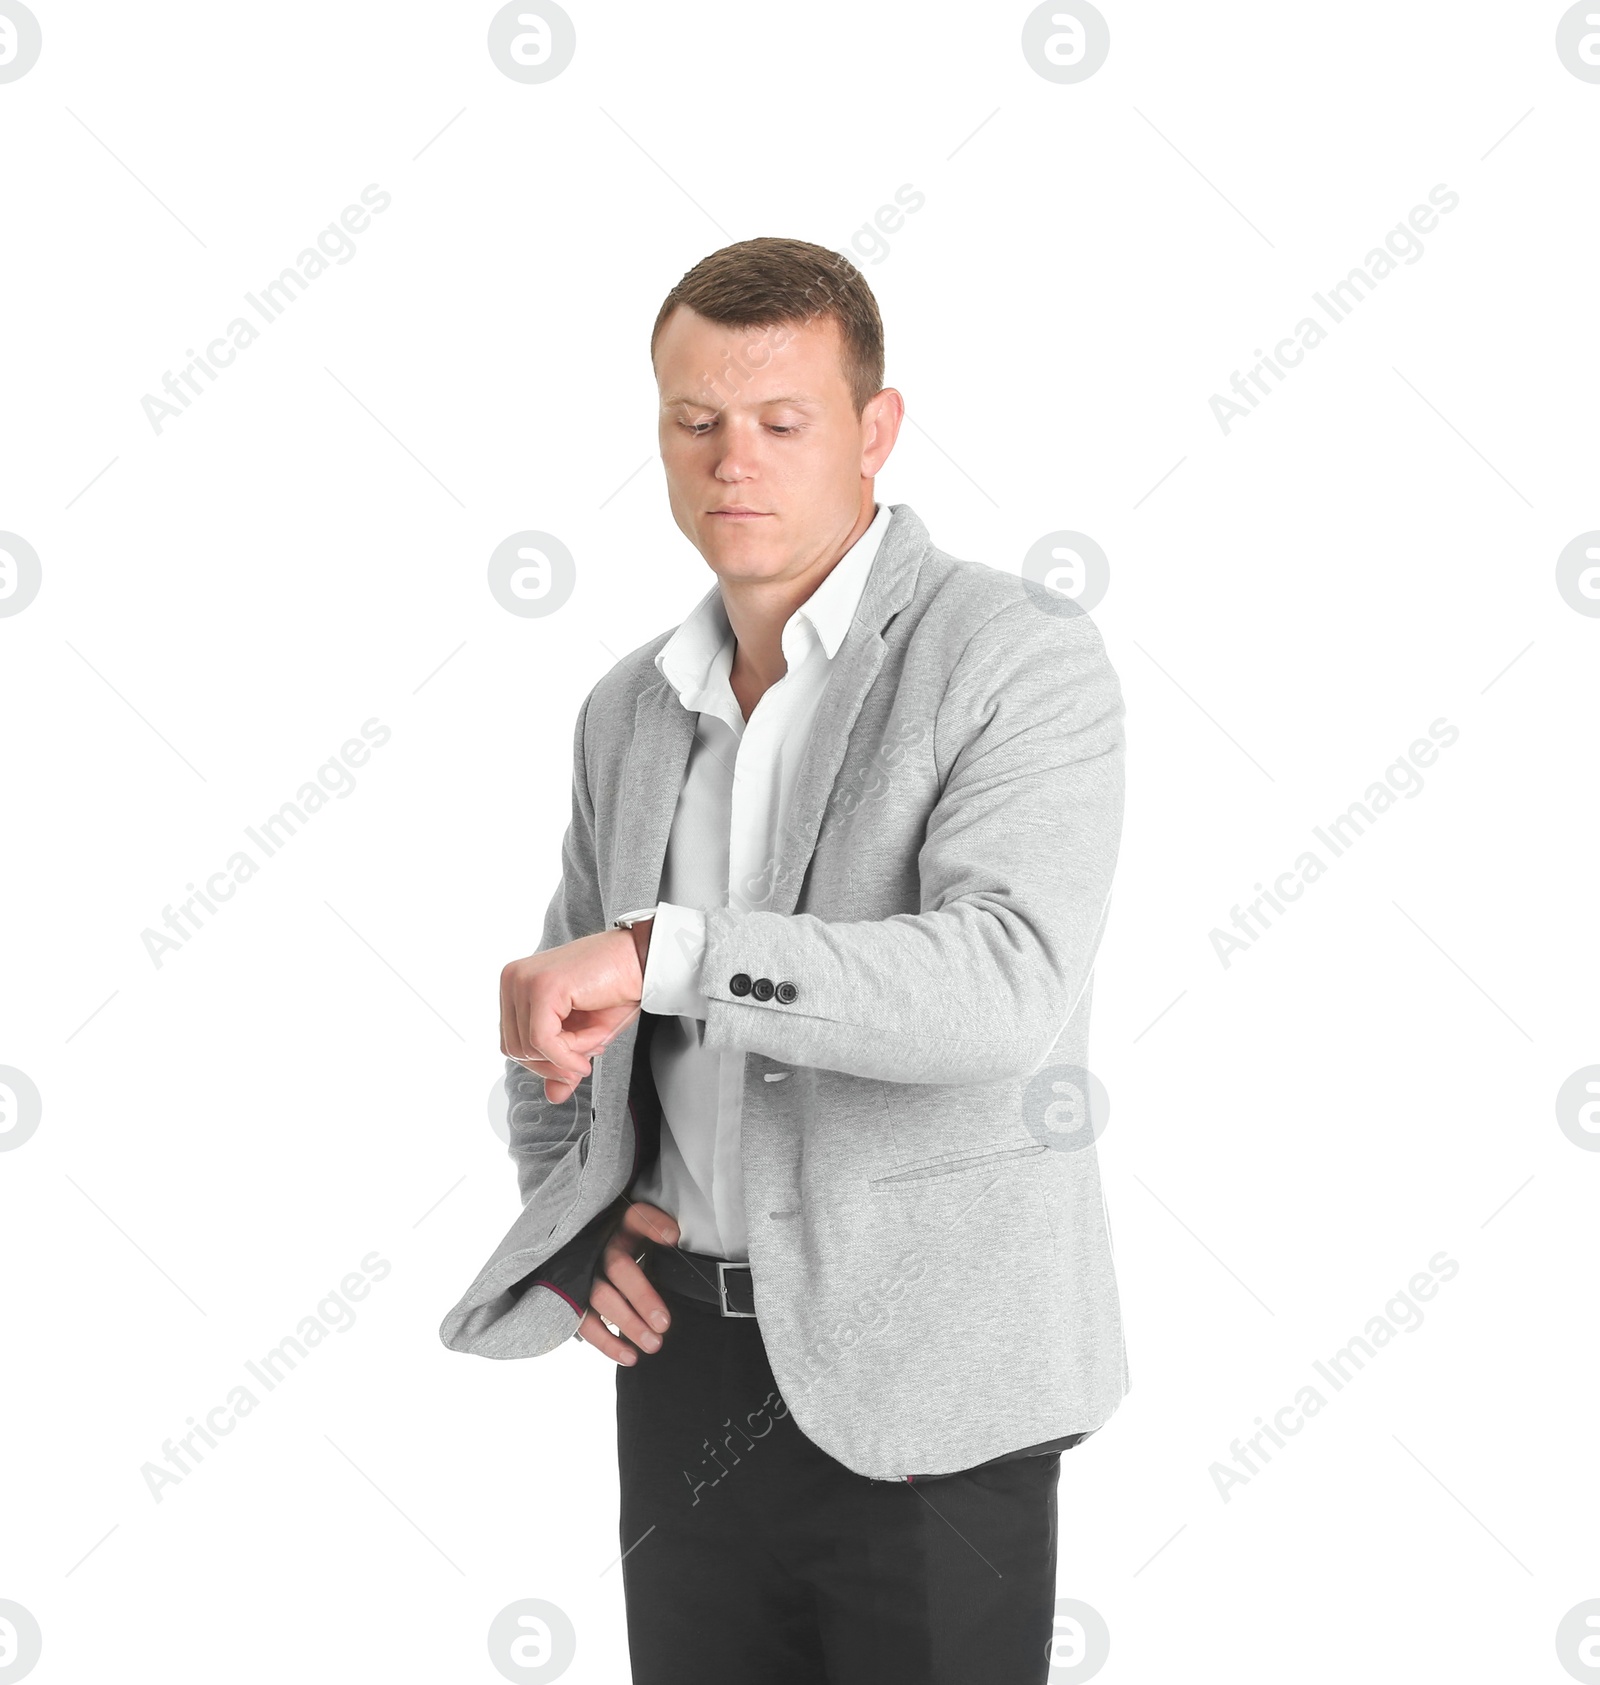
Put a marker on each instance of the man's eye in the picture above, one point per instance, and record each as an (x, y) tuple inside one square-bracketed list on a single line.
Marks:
[(696, 429)]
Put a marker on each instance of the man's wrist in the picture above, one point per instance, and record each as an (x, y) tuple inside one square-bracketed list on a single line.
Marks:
[(637, 925)]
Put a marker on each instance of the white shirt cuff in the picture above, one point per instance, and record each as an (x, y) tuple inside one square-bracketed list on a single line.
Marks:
[(677, 941)]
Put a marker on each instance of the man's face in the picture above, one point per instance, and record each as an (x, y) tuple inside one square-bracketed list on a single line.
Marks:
[(760, 419)]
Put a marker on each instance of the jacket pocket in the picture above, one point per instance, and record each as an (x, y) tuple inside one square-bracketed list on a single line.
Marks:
[(954, 1164)]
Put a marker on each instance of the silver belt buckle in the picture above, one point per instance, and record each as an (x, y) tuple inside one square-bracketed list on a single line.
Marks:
[(723, 1265)]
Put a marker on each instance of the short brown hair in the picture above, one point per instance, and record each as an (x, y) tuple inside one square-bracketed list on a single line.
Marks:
[(770, 281)]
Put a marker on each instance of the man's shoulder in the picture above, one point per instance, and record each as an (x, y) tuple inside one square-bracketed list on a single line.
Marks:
[(970, 603), (962, 586)]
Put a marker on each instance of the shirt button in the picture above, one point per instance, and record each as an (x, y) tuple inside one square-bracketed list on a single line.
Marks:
[(762, 988), (739, 983), (787, 992)]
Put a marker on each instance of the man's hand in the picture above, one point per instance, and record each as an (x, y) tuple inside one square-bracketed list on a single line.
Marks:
[(560, 1007), (621, 1291)]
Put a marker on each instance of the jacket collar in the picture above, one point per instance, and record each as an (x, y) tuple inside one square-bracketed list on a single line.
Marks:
[(664, 727)]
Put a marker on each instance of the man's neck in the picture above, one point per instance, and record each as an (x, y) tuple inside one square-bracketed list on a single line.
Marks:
[(759, 611)]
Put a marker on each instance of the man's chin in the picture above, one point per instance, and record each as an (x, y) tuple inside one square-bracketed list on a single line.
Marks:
[(741, 549)]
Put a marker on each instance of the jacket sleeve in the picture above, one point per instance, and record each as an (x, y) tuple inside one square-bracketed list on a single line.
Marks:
[(1015, 876), (542, 1133)]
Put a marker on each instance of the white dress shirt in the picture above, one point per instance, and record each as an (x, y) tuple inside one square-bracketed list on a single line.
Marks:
[(720, 852)]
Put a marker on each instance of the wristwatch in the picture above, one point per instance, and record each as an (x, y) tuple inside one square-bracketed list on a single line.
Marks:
[(626, 921)]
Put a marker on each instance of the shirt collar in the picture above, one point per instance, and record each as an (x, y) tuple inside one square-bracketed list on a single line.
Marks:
[(698, 658)]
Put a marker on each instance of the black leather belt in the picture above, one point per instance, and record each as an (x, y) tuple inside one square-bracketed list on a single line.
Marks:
[(698, 1275)]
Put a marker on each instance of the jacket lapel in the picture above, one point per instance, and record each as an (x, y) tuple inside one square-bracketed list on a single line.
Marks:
[(890, 582)]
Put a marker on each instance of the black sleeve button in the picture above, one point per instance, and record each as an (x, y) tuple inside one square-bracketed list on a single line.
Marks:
[(762, 988), (739, 983), (787, 992)]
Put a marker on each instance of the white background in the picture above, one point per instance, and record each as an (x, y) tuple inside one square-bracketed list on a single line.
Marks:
[(227, 1135)]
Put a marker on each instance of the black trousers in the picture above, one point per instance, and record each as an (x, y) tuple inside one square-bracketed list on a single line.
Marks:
[(752, 1557)]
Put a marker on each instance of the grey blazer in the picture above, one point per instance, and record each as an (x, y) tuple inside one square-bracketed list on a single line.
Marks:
[(928, 1241)]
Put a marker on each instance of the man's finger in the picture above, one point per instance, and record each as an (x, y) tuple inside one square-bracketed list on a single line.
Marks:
[(519, 1022), (602, 1339), (561, 1082), (515, 1040), (540, 1018), (632, 1285), (559, 1085), (574, 1069), (508, 1018), (609, 1303), (644, 1221), (589, 1040), (581, 1044)]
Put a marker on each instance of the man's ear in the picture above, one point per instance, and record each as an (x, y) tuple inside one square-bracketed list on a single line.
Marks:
[(881, 420)]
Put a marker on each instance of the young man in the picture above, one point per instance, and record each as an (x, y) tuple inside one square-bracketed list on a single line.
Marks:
[(805, 1147)]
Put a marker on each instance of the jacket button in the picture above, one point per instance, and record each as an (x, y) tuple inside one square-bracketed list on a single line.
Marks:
[(787, 992), (739, 983), (762, 988)]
